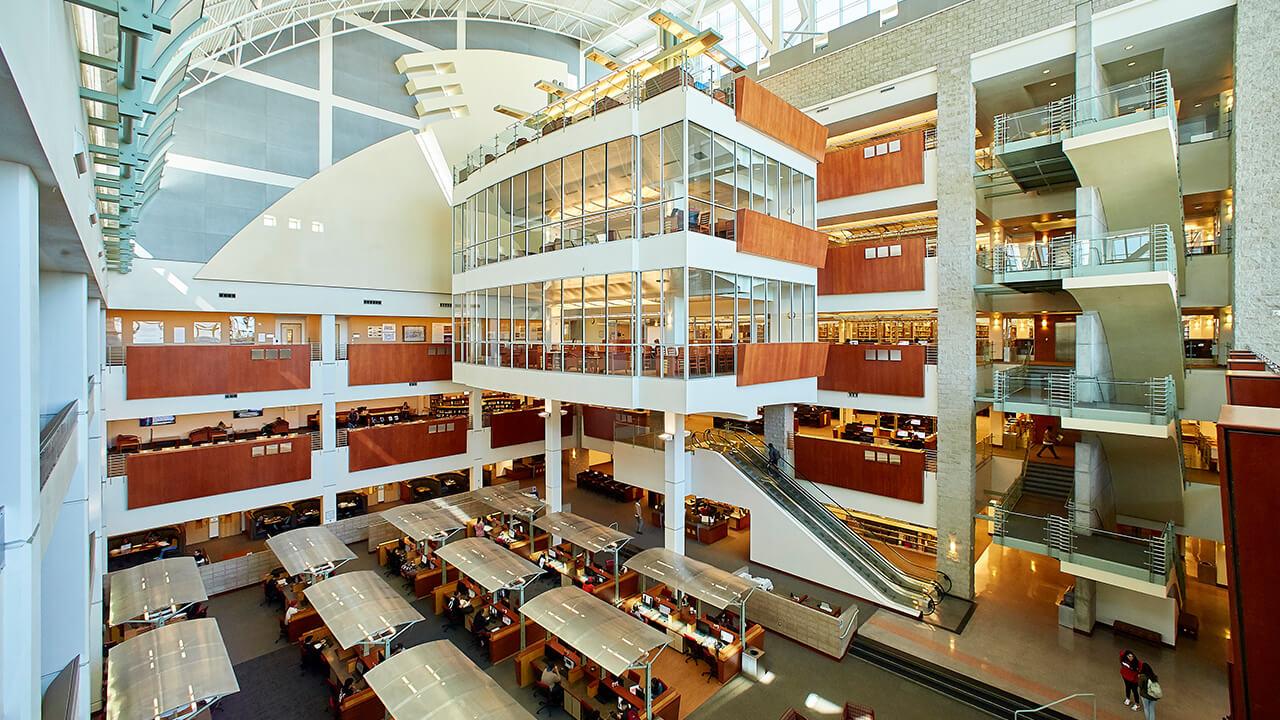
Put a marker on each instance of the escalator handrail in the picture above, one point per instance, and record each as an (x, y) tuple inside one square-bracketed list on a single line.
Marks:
[(894, 579), (748, 439)]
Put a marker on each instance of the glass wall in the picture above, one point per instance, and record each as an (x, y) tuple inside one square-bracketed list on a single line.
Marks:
[(681, 177), (658, 323)]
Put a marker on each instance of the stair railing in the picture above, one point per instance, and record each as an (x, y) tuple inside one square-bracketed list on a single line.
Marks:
[(939, 585), (1019, 714)]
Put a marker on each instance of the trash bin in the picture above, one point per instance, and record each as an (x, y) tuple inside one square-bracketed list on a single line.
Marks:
[(1067, 608), (751, 662)]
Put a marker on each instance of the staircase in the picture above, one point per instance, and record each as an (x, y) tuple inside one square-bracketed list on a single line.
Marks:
[(779, 482), (1049, 481), (970, 691)]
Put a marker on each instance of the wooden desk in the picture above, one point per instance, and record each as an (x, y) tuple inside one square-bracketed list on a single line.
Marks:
[(306, 619), (706, 534), (728, 657), (363, 705), (425, 581), (582, 686)]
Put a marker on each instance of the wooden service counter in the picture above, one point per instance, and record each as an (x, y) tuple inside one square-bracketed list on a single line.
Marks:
[(583, 684), (405, 442), (683, 622), (157, 477), (705, 533)]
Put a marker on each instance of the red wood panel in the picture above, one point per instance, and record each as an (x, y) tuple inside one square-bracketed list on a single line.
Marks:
[(514, 428), (848, 270), (849, 172), (1233, 364), (760, 234), (849, 370), (842, 463), (1253, 388), (381, 363), (775, 362), (384, 445), (598, 422), (156, 371), (166, 476), (777, 118), (1250, 506)]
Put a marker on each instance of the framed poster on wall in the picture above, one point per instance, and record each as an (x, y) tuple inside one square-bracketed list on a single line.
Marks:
[(415, 333), (388, 332)]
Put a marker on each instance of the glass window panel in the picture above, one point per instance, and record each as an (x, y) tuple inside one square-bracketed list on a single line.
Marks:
[(771, 187), (810, 215), (491, 212), (553, 311), (742, 309), (593, 180), (572, 233), (552, 202), (811, 313), (519, 201), (595, 229), (742, 176), (621, 172), (757, 181), (504, 207), (724, 308), (572, 173), (701, 288), (673, 174), (536, 237), (536, 199), (796, 212), (699, 162), (594, 307), (622, 225), (722, 171), (571, 309), (518, 244), (651, 167), (151, 332)]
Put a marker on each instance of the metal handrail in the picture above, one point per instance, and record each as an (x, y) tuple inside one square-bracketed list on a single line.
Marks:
[(1153, 92), (54, 437), (1019, 713), (941, 587)]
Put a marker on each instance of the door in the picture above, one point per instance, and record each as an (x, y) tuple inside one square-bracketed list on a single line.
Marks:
[(291, 333)]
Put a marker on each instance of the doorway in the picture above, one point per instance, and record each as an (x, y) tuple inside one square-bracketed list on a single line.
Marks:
[(291, 331)]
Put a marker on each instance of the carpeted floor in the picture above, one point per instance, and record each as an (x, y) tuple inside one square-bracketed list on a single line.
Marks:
[(273, 688)]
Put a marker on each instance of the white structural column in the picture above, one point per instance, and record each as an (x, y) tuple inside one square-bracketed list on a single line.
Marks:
[(779, 429), (957, 358), (327, 468), (97, 431), (19, 454), (475, 437), (676, 485), (554, 458)]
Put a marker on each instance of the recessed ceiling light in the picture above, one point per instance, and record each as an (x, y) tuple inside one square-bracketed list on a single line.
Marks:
[(1045, 71), (1055, 84), (1132, 63), (1199, 104), (1198, 207), (1128, 47)]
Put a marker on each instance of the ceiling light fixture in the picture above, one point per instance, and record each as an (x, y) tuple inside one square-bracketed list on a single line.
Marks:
[(1045, 71), (1053, 84), (1132, 63), (1128, 47)]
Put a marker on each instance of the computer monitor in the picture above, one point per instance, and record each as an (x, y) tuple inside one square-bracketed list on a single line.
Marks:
[(506, 619), (726, 636), (664, 609), (568, 663), (915, 421), (868, 429), (646, 600), (703, 627), (900, 434), (635, 689), (920, 434), (553, 656)]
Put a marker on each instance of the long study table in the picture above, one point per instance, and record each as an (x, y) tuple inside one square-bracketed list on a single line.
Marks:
[(681, 626)]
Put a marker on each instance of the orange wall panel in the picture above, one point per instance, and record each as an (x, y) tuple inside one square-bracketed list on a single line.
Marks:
[(777, 118), (383, 445), (775, 362), (849, 370), (842, 463), (166, 476), (849, 172), (156, 371), (848, 270), (377, 364), (760, 234), (514, 428), (1253, 388)]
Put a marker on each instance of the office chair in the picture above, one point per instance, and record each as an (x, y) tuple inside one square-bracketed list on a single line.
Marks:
[(284, 631), (544, 691), (709, 656)]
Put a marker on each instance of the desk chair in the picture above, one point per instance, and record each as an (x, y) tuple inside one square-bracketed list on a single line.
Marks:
[(710, 657), (551, 698), (284, 631)]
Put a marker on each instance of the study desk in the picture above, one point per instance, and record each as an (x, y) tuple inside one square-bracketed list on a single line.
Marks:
[(583, 683), (576, 572), (682, 627), (705, 533)]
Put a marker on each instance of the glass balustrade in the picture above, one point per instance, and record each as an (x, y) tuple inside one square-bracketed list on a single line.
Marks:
[(1066, 394)]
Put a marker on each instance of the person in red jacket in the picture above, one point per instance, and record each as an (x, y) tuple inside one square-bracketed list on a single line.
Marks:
[(1130, 666)]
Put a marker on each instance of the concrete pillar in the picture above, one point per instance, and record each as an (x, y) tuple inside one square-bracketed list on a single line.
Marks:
[(96, 430), (1094, 495), (554, 458), (1256, 213), (576, 460), (476, 440), (1093, 357), (19, 454), (676, 485), (325, 462), (1089, 78), (957, 361), (1086, 607), (779, 429)]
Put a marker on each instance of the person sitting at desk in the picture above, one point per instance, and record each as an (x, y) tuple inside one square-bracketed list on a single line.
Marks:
[(201, 558), (656, 688), (291, 611), (348, 689), (550, 676)]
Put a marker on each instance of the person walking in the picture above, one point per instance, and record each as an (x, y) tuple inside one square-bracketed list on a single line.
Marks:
[(639, 522), (1130, 666), (774, 456), (1048, 441), (1150, 690)]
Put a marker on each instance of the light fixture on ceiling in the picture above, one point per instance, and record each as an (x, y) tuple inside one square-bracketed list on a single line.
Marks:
[(1053, 84), (1045, 71), (1199, 104), (1128, 47), (544, 414), (1132, 63)]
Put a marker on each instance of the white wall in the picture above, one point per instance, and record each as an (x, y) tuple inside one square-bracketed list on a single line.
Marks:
[(1146, 611), (921, 513), (1206, 393)]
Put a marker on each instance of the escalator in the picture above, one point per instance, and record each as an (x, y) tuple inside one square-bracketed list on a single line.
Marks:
[(748, 454)]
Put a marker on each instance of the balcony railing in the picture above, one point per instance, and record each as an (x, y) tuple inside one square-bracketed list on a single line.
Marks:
[(630, 89), (1071, 256), (1053, 120), (57, 432), (1141, 99), (983, 452), (1065, 394)]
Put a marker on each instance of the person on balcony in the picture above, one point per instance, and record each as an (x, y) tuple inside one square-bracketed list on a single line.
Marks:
[(1049, 441)]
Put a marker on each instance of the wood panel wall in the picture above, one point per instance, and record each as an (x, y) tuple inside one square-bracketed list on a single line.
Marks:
[(597, 422), (848, 270), (778, 119), (1249, 444), (166, 476), (1245, 364), (849, 172), (514, 428), (775, 362), (158, 371), (1253, 388), (849, 370), (842, 463), (383, 445), (377, 364), (760, 234)]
